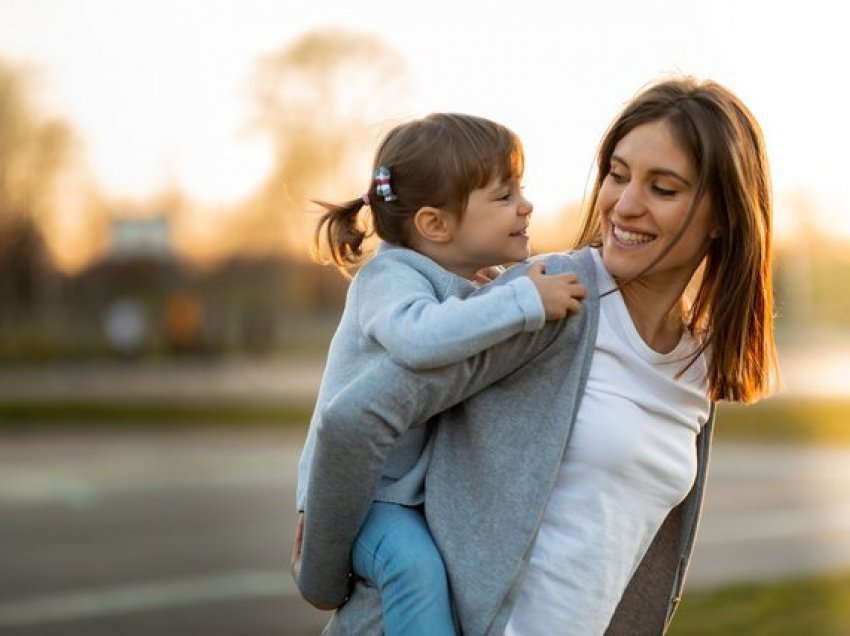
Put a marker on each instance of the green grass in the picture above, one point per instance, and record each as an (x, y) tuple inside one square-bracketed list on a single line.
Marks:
[(804, 607), (107, 412), (785, 419), (779, 420)]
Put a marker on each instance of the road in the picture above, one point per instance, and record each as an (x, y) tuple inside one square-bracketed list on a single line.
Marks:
[(149, 532), (184, 532)]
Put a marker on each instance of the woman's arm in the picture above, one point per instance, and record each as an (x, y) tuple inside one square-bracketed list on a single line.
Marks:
[(359, 427)]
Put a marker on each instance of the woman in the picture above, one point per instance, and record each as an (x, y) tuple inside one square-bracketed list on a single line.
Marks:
[(565, 497)]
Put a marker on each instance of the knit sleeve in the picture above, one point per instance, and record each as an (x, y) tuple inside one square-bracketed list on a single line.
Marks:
[(402, 310)]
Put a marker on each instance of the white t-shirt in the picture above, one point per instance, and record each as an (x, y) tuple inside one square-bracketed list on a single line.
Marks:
[(630, 459)]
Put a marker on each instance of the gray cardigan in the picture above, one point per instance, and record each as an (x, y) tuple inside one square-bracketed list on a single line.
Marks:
[(494, 459), (403, 305)]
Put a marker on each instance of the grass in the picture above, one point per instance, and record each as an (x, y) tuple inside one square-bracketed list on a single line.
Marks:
[(118, 412), (786, 419), (803, 607), (779, 420)]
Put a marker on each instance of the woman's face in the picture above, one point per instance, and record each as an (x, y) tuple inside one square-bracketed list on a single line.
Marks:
[(643, 201)]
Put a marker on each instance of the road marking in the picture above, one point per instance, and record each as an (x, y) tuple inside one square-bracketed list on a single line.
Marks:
[(84, 485), (121, 599), (773, 524)]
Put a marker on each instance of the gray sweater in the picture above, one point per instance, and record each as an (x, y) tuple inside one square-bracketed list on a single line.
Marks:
[(403, 305), (494, 458)]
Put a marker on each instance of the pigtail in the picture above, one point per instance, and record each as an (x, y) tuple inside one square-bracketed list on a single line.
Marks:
[(437, 162), (343, 234)]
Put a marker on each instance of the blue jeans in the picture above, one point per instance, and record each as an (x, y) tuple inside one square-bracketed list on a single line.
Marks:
[(396, 553)]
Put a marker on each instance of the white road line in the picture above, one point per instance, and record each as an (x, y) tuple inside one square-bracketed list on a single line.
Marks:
[(121, 599), (773, 524), (79, 486)]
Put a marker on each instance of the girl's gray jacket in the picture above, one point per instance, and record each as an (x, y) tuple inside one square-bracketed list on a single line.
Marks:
[(505, 416)]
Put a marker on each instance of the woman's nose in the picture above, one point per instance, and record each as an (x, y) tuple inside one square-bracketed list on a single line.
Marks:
[(630, 202)]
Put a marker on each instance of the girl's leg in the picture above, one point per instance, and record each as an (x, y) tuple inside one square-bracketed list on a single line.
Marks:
[(395, 552)]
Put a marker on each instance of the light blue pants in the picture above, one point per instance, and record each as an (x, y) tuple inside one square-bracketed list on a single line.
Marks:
[(396, 553)]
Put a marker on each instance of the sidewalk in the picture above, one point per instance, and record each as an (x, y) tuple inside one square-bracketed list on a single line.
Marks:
[(816, 368), (275, 381)]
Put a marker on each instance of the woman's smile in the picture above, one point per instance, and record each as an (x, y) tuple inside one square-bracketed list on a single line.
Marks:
[(630, 238)]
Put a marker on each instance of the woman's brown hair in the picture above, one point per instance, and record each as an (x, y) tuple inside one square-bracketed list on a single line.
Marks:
[(732, 309), (435, 161)]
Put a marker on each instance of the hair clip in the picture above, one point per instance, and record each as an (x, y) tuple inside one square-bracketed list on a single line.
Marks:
[(383, 189)]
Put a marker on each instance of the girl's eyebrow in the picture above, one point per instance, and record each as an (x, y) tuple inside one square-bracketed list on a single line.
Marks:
[(664, 172)]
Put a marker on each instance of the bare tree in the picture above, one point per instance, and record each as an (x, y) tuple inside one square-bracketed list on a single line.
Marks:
[(32, 150), (32, 153), (324, 100)]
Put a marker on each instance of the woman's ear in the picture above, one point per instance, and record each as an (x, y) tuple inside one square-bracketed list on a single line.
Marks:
[(434, 224)]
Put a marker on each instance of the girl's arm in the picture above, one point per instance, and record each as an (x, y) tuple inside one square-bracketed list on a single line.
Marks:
[(399, 307)]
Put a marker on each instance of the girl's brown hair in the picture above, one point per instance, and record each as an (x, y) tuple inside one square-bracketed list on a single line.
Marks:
[(732, 309), (435, 161)]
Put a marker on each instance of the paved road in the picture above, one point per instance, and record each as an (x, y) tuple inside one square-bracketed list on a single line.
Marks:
[(141, 532), (187, 532)]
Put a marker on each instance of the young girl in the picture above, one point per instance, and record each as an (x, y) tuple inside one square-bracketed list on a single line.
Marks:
[(446, 199)]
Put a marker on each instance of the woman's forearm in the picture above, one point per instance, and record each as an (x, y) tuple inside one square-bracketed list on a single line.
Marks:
[(357, 430)]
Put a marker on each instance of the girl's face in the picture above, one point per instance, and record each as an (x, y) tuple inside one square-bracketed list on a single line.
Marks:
[(493, 229), (643, 201)]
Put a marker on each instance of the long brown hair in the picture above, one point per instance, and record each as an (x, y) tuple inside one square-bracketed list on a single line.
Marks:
[(732, 309), (435, 161)]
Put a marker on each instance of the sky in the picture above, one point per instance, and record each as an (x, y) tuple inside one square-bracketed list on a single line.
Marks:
[(158, 90)]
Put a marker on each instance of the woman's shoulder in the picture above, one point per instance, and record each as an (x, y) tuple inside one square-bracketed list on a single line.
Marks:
[(578, 261)]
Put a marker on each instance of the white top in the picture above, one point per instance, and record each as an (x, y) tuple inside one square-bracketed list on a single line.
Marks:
[(630, 459)]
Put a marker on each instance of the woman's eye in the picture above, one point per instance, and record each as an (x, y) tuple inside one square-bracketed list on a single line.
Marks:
[(617, 177), (664, 192)]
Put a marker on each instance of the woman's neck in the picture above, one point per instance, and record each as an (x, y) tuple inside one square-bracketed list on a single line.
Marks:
[(657, 313)]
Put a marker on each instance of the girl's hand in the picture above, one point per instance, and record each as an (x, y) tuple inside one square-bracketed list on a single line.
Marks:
[(488, 274), (561, 294)]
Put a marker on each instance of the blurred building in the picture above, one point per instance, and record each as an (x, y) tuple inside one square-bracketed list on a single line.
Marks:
[(142, 299), (131, 239)]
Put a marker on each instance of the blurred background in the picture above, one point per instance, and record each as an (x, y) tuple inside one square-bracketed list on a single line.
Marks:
[(163, 330)]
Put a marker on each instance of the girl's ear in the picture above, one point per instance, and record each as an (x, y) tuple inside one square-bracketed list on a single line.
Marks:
[(434, 224)]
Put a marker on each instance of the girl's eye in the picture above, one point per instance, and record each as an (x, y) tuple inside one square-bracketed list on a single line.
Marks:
[(505, 197), (617, 177)]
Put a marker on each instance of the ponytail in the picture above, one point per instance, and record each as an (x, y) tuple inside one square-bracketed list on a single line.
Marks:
[(343, 233), (435, 161)]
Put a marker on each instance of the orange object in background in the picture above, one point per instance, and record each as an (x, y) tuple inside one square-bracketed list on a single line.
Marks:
[(184, 321)]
